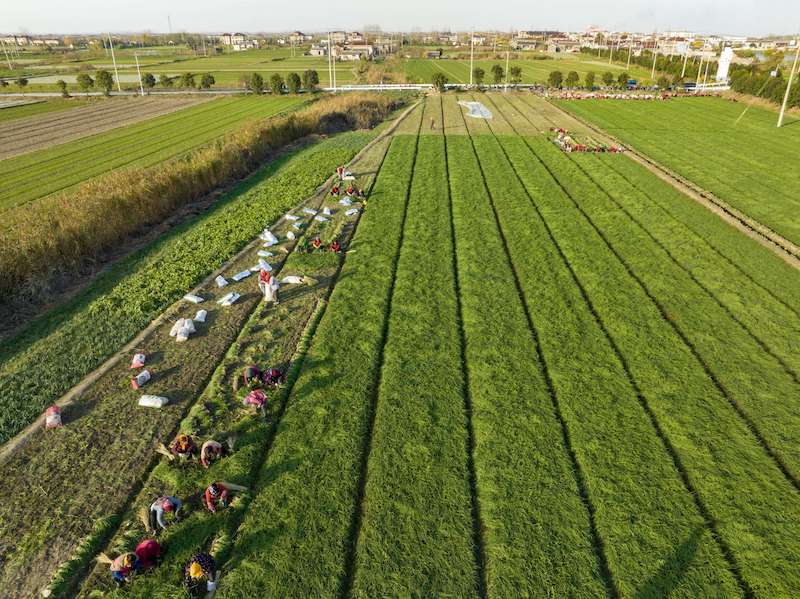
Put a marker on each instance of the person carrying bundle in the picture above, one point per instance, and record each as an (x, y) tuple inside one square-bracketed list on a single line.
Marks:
[(211, 451), (268, 285), (216, 493), (183, 447), (161, 506), (199, 575)]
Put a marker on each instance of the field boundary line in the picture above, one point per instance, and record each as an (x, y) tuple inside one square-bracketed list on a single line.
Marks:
[(754, 430), (357, 517), (477, 519), (75, 393), (709, 521), (779, 245), (597, 541)]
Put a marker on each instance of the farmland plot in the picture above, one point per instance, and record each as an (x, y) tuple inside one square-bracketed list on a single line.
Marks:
[(23, 135), (34, 175), (746, 163)]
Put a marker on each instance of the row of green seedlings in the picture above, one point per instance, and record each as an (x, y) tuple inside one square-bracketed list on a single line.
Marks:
[(734, 477), (626, 469), (298, 527), (702, 162), (416, 477), (52, 170), (270, 334), (142, 286), (763, 323)]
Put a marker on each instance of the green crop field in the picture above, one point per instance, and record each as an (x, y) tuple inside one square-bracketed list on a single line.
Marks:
[(530, 374), (750, 163), (34, 175), (52, 105), (533, 71)]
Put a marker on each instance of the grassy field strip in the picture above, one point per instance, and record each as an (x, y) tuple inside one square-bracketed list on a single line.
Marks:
[(140, 287), (40, 132), (628, 468), (300, 524), (104, 427), (774, 277), (753, 380), (761, 189), (768, 322), (751, 504), (536, 528), (272, 336), (416, 533), (67, 166), (166, 136)]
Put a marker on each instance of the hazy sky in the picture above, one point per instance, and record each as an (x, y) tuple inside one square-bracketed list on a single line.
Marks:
[(712, 16)]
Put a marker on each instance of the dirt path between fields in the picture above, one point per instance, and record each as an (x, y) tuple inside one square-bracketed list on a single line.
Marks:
[(20, 136), (778, 245)]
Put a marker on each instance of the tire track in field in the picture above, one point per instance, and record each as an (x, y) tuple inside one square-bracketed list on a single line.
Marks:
[(759, 436), (710, 522), (580, 478), (477, 520), (358, 513)]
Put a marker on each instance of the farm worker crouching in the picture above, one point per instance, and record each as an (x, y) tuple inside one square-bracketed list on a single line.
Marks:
[(216, 493), (316, 243), (124, 567), (268, 286), (148, 552), (335, 247), (163, 505), (335, 190), (199, 574), (183, 447), (211, 452)]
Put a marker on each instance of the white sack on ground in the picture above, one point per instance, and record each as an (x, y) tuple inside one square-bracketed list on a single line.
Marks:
[(241, 275), (265, 265), (352, 211), (290, 235), (326, 211), (309, 211), (321, 219), (195, 299), (292, 280), (268, 238), (292, 217), (229, 299), (476, 110), (201, 316), (346, 201), (153, 401), (137, 361), (221, 281)]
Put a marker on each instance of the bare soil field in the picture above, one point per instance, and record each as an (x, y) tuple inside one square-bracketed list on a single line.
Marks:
[(20, 136)]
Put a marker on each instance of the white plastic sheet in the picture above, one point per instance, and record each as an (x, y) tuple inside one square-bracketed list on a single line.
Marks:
[(476, 110)]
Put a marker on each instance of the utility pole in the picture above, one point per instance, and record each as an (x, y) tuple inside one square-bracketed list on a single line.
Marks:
[(8, 60), (611, 54), (705, 75), (699, 68), (330, 55), (141, 86), (508, 56), (471, 55), (169, 24), (116, 74), (630, 49), (204, 45), (685, 60), (789, 84), (655, 57)]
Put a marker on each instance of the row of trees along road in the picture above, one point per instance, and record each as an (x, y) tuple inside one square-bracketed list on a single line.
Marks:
[(254, 82)]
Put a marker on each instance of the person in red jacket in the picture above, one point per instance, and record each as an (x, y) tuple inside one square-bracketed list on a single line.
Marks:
[(184, 447), (316, 243), (335, 247), (148, 552), (216, 493)]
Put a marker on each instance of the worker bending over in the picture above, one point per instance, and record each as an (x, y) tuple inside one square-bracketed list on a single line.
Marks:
[(123, 568), (216, 493), (268, 285), (183, 447), (164, 505), (199, 575), (211, 451)]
